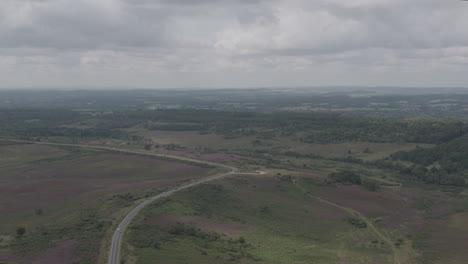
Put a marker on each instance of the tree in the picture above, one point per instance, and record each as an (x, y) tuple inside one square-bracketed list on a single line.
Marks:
[(20, 231)]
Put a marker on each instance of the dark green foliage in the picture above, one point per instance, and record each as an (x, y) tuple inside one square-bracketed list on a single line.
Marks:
[(147, 236), (399, 242), (452, 157), (355, 221), (414, 172), (433, 176), (181, 229), (206, 199), (148, 146), (173, 147), (449, 161), (339, 129), (20, 231), (39, 123), (124, 200), (313, 127), (151, 236), (286, 178), (346, 177)]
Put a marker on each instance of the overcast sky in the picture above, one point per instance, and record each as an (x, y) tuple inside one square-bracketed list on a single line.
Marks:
[(232, 43)]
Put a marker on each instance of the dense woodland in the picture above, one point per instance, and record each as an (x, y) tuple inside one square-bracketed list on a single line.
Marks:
[(308, 128), (451, 156)]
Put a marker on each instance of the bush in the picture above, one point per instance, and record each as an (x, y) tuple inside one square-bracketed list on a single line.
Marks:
[(357, 222), (371, 185), (20, 231), (346, 176)]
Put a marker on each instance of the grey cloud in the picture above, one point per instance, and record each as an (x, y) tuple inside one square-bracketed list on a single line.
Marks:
[(81, 25), (393, 25), (157, 37), (87, 24)]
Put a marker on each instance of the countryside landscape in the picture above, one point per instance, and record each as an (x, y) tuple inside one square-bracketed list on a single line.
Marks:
[(233, 132), (311, 186)]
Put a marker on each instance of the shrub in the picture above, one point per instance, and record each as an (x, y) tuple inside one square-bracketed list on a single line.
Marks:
[(20, 231), (371, 185), (346, 176), (357, 222)]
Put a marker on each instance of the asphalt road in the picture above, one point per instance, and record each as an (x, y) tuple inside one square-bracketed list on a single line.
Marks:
[(114, 256), (117, 237)]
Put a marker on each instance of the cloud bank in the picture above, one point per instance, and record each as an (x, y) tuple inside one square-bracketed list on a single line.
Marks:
[(232, 43)]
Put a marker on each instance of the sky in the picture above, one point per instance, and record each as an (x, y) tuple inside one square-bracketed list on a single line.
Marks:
[(232, 43)]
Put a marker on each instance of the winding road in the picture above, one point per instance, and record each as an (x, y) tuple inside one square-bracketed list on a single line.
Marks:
[(114, 256), (117, 238)]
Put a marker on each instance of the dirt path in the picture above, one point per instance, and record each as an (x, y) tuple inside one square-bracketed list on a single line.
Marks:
[(352, 212)]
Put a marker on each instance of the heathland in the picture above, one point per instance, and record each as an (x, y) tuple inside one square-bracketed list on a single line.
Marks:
[(340, 187)]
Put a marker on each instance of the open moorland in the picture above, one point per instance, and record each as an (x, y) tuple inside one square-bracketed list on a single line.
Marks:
[(66, 198), (338, 188)]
